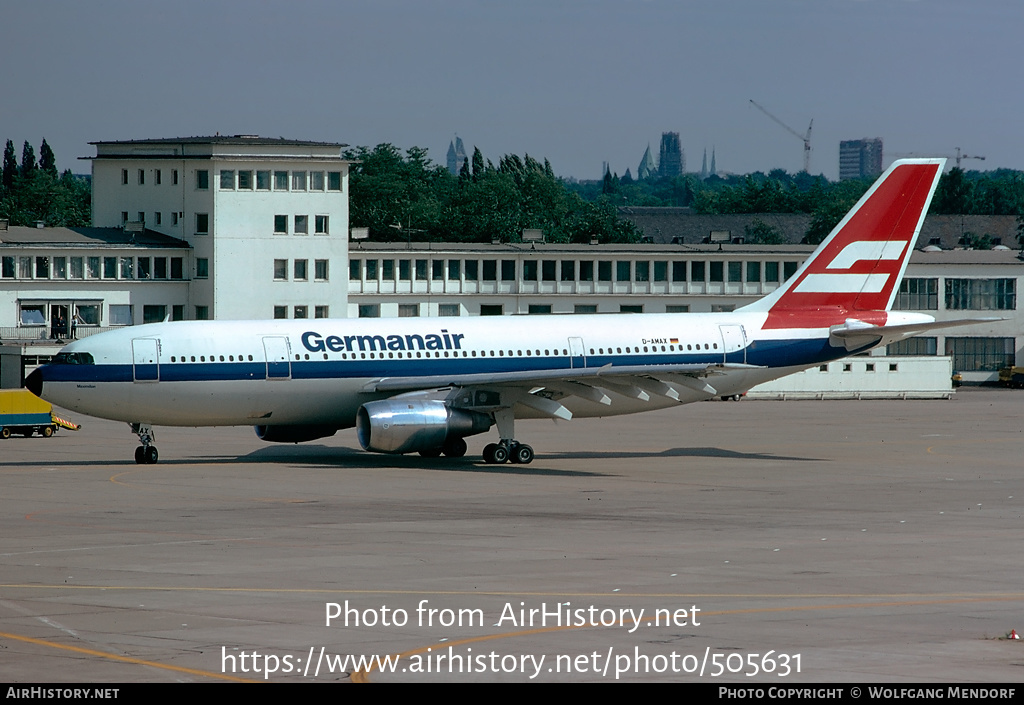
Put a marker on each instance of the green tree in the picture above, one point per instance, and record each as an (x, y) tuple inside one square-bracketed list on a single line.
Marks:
[(478, 164), (10, 166), (759, 232), (47, 161), (28, 160)]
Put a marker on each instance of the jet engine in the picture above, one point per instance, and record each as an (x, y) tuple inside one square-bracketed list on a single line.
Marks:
[(407, 426), (293, 434)]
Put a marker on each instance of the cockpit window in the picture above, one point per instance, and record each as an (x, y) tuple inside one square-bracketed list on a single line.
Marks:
[(73, 358)]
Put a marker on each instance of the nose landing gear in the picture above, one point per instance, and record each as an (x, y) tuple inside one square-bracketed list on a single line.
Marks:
[(146, 454)]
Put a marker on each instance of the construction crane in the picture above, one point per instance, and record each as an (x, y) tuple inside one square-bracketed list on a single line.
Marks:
[(806, 138), (965, 156)]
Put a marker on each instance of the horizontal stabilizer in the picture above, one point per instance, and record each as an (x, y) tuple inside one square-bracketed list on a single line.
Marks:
[(855, 335)]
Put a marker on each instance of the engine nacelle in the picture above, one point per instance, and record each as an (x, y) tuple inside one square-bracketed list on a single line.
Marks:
[(293, 434), (407, 426)]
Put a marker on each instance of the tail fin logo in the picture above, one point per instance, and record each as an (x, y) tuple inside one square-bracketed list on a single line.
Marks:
[(856, 270)]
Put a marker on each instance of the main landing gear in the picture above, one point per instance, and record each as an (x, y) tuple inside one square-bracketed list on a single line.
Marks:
[(146, 454), (508, 449)]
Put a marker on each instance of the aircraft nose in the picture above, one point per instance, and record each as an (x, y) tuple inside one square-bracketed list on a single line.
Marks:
[(34, 383)]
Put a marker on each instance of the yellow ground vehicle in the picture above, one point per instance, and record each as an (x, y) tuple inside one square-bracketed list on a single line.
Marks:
[(24, 413), (1012, 377)]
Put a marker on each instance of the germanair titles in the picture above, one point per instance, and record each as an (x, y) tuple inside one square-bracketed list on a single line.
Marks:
[(314, 342)]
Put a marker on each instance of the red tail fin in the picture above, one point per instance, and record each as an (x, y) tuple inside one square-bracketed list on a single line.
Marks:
[(858, 267)]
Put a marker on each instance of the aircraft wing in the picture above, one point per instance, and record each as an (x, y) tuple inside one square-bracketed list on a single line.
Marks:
[(536, 388), (854, 334)]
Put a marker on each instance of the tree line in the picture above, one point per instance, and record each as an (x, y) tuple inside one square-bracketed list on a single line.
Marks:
[(32, 191), (401, 196)]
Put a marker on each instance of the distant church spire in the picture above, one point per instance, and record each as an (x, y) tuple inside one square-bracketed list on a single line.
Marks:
[(714, 171), (704, 166), (646, 168), (456, 156)]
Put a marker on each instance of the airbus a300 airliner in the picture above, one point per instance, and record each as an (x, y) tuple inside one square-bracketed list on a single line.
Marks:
[(424, 385)]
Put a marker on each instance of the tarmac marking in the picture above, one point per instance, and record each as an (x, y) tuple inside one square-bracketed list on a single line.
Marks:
[(123, 659)]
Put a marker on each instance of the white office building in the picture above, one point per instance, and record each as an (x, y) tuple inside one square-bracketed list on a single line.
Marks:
[(267, 219)]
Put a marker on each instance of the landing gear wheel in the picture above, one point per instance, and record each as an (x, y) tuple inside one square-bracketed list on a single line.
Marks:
[(47, 431), (455, 447), (5, 433), (489, 453), (140, 455), (500, 455), (431, 453), (736, 397), (522, 454), (151, 455)]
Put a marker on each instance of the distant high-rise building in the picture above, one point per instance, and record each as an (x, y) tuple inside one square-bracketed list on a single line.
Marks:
[(647, 168), (456, 156), (859, 159), (671, 161)]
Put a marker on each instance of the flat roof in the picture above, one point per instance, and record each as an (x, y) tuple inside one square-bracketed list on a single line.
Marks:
[(16, 236), (224, 139)]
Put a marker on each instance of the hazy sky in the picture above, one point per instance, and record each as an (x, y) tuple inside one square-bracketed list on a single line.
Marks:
[(576, 81)]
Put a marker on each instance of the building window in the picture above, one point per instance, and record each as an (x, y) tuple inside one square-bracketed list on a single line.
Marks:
[(321, 312), (642, 271), (421, 270), (174, 218), (202, 313), (158, 217), (93, 271), (280, 270), (539, 309), (160, 268), (753, 272), (42, 267), (722, 308), (447, 310), (124, 217), (530, 270), (174, 177), (771, 271), (604, 271), (981, 294), (177, 312), (177, 268), (789, 269), (980, 354), (631, 308), (157, 177), (735, 271), (145, 267), (490, 270), (120, 314), (245, 180), (202, 268), (369, 310), (622, 271), (77, 268), (917, 295), (320, 225), (661, 271), (334, 181), (471, 270), (298, 181), (677, 308), (586, 271), (716, 271), (280, 225), (408, 310), (320, 270), (280, 312), (60, 268), (508, 270), (124, 177), (697, 271), (227, 179), (202, 223), (354, 265), (371, 270), (110, 267), (7, 270), (202, 179), (302, 225), (679, 271), (142, 177), (454, 269), (404, 270), (262, 180), (491, 309), (921, 345), (300, 270), (547, 270), (316, 181), (585, 308), (153, 313), (280, 180), (300, 312), (126, 268), (88, 314)]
